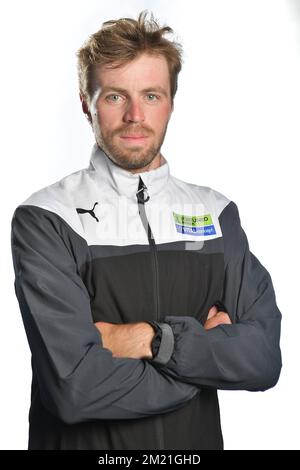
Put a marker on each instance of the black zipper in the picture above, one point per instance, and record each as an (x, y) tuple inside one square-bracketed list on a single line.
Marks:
[(142, 197), (142, 190)]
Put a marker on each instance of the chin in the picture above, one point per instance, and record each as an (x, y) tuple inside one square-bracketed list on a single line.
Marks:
[(133, 164)]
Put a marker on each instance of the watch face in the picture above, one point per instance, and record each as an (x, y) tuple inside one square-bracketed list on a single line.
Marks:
[(156, 342)]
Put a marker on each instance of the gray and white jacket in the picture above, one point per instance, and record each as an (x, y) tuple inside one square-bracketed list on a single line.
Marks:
[(104, 244)]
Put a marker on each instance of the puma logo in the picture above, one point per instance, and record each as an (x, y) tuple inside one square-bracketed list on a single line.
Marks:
[(90, 211)]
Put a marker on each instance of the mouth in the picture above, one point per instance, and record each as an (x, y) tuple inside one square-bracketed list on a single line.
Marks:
[(133, 138)]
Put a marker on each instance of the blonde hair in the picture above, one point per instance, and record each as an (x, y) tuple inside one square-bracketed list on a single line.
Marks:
[(120, 41)]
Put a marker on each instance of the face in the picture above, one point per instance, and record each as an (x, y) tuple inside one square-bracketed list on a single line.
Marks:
[(130, 110)]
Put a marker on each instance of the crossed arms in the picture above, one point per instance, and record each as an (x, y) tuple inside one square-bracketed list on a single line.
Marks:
[(134, 339), (80, 379)]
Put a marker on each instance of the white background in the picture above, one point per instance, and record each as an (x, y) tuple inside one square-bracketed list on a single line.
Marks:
[(235, 128)]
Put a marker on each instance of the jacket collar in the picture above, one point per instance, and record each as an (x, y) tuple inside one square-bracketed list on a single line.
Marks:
[(123, 181)]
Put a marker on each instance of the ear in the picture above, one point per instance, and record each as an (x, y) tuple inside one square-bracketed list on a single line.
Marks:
[(85, 108), (84, 105)]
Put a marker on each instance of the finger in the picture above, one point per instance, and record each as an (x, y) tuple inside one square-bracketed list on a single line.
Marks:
[(212, 312), (225, 318), (221, 318), (212, 323)]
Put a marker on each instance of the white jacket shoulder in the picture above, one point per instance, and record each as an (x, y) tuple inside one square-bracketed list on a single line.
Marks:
[(60, 198), (207, 195)]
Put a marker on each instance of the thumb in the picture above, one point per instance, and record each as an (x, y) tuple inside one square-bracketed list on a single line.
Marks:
[(212, 312)]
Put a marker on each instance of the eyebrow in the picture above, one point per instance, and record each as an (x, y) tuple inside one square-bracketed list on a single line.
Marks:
[(145, 90)]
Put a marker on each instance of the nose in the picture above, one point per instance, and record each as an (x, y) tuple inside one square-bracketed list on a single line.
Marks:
[(134, 112)]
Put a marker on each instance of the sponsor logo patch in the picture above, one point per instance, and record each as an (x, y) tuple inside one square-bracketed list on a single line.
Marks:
[(194, 224)]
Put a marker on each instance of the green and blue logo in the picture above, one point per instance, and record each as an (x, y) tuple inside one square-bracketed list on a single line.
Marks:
[(194, 224)]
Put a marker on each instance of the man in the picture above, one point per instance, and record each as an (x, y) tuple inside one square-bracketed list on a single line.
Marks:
[(139, 295)]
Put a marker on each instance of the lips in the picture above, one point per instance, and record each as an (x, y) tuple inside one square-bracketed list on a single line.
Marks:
[(133, 136)]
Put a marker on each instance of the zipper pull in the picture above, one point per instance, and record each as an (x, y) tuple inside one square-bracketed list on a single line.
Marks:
[(142, 191)]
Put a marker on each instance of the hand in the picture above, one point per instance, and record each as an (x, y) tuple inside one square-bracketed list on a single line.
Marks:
[(127, 340), (192, 355), (216, 318)]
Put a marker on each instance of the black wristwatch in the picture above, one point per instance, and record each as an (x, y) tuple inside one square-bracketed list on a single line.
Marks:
[(156, 339)]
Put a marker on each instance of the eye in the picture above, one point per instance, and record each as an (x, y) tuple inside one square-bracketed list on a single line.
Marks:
[(152, 95), (112, 98)]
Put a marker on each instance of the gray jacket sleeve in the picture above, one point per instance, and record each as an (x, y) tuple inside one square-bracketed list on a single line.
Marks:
[(242, 356), (79, 380)]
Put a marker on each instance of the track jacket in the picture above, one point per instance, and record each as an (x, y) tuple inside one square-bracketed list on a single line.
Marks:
[(103, 244)]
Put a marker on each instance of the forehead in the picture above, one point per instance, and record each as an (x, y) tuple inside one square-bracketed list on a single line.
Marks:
[(144, 70)]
